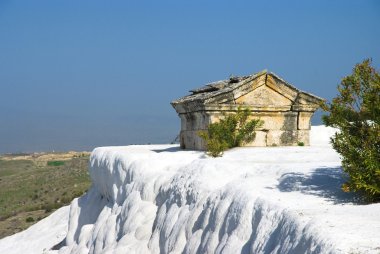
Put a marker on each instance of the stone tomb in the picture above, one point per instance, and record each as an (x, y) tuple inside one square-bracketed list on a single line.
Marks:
[(285, 110)]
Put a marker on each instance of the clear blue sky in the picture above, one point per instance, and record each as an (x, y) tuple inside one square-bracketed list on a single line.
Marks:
[(79, 74)]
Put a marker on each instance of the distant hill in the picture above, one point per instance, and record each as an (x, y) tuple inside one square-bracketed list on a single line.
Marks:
[(33, 185)]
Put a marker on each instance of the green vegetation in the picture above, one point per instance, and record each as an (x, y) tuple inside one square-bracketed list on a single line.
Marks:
[(301, 143), (29, 219), (356, 113), (231, 131), (32, 188), (55, 163)]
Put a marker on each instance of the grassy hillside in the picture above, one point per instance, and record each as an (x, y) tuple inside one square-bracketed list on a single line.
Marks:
[(33, 186)]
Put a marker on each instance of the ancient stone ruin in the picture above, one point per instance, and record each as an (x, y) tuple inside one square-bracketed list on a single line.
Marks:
[(285, 110)]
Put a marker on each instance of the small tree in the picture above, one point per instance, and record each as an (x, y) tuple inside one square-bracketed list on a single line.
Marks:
[(231, 131), (356, 114)]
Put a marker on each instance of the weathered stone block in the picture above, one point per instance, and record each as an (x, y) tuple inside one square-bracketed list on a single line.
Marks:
[(191, 140), (304, 120), (289, 138), (260, 140), (277, 120), (194, 121), (274, 138), (304, 136)]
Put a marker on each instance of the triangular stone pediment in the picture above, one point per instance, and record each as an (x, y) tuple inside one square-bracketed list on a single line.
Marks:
[(263, 91), (264, 96)]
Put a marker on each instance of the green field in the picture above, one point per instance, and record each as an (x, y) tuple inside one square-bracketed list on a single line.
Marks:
[(32, 187)]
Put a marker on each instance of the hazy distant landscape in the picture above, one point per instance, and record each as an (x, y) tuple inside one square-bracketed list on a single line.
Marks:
[(32, 186)]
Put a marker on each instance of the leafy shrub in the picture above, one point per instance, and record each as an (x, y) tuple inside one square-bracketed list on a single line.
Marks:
[(301, 143), (231, 131), (356, 113)]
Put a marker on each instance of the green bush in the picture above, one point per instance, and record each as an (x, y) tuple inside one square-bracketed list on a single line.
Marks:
[(231, 131), (301, 143), (356, 114)]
